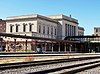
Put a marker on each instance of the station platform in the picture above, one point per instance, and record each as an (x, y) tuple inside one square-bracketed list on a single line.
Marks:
[(26, 57)]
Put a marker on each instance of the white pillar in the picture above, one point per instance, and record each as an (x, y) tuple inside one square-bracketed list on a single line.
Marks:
[(65, 47), (70, 48), (59, 48)]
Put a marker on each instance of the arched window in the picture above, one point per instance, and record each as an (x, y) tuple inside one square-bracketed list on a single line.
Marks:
[(11, 28), (43, 29), (48, 30), (55, 31), (51, 30), (30, 26), (17, 27), (24, 27), (39, 29)]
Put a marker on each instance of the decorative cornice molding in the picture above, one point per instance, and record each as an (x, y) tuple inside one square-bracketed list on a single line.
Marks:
[(28, 17)]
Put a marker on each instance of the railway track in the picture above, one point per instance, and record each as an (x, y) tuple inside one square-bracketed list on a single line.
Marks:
[(72, 69), (71, 65)]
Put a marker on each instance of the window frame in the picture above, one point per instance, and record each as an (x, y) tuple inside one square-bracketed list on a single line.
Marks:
[(39, 29), (43, 29), (11, 28), (30, 26), (48, 30), (51, 30), (17, 27), (24, 27)]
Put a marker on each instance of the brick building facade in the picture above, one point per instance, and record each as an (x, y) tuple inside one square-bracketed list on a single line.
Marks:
[(2, 26)]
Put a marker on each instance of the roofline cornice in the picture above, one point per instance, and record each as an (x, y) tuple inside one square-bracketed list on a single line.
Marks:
[(34, 17)]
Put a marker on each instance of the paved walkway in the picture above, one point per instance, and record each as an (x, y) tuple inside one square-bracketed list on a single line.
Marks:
[(9, 58)]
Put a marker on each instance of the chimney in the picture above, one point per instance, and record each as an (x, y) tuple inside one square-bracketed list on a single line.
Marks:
[(70, 16)]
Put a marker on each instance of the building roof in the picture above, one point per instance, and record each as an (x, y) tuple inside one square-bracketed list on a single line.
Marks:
[(63, 17), (96, 27), (32, 16), (80, 28)]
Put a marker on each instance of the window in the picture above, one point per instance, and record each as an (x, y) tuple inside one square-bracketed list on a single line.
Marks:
[(39, 29), (67, 29), (55, 32), (30, 26), (24, 27), (70, 30), (51, 30), (96, 34), (43, 29), (11, 28), (48, 30), (74, 30), (17, 27)]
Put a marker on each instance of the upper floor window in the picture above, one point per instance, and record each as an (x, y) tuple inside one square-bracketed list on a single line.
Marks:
[(51, 30), (39, 29), (55, 31), (43, 29), (17, 27), (48, 30), (74, 30), (11, 28), (30, 26), (24, 27)]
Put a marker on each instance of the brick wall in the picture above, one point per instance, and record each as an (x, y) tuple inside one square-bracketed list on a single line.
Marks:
[(2, 26)]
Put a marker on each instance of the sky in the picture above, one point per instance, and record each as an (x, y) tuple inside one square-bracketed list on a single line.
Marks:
[(86, 11)]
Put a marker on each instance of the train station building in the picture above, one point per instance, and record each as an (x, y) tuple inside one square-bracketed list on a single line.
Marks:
[(69, 25), (52, 27)]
